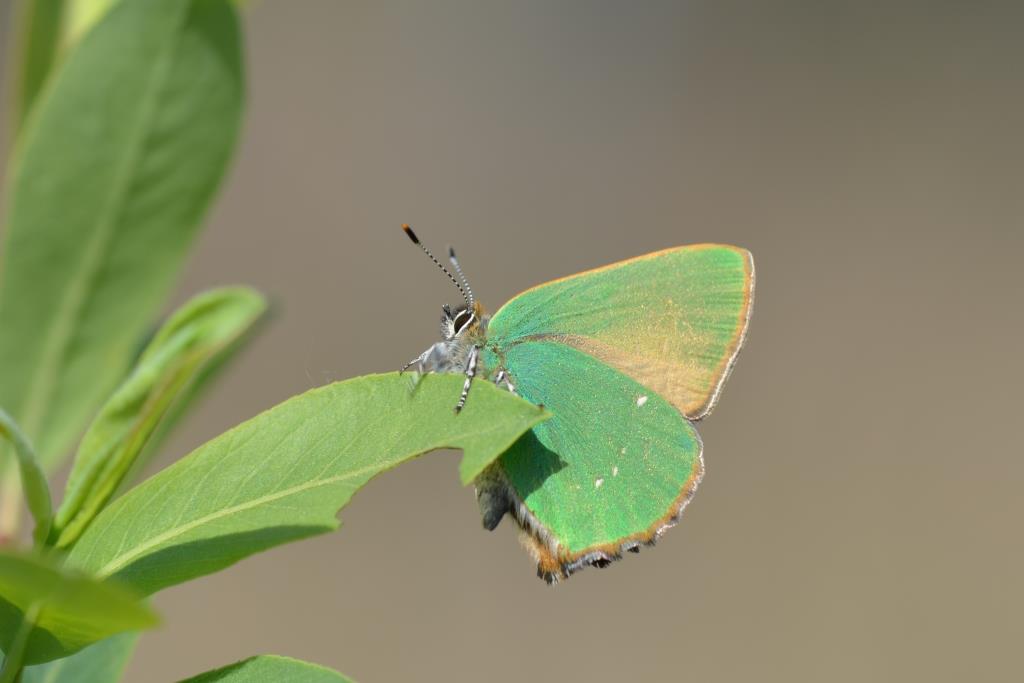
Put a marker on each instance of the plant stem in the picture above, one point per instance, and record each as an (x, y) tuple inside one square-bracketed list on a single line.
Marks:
[(11, 673)]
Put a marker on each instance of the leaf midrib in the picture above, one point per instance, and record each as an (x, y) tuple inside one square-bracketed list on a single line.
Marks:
[(125, 558), (69, 309)]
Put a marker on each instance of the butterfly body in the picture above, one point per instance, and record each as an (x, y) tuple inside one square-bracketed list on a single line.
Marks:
[(626, 358), (461, 331)]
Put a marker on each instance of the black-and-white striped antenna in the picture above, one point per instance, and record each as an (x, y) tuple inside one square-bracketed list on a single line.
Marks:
[(465, 292), (458, 271)]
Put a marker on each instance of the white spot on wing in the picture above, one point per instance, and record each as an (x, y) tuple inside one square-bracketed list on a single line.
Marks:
[(615, 471), (640, 401), (597, 483)]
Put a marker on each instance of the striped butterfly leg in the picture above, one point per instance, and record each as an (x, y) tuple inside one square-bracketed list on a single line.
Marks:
[(471, 363), (414, 361), (415, 376)]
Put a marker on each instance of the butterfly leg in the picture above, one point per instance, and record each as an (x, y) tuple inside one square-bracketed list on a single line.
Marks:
[(434, 359), (502, 376), (474, 353), (408, 365)]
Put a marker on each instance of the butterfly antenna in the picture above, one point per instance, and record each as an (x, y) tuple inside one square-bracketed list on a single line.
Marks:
[(416, 241), (458, 271)]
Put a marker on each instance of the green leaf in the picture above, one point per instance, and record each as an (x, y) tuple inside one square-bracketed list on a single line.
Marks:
[(270, 669), (196, 389), (103, 662), (33, 481), (66, 610), (196, 333), (82, 15), (284, 474), (39, 32), (108, 184)]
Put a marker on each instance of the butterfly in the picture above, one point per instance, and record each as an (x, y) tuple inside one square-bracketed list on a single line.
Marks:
[(626, 357)]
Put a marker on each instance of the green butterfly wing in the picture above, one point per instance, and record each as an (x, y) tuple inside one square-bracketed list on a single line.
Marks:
[(673, 320), (609, 472), (622, 356)]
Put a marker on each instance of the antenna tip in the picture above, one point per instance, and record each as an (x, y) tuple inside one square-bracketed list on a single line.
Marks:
[(410, 233), (451, 252)]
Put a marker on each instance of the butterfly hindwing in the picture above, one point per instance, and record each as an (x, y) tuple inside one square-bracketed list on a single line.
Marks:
[(673, 320), (614, 466)]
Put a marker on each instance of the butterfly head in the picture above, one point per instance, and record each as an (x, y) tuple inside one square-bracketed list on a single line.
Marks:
[(459, 322), (464, 320)]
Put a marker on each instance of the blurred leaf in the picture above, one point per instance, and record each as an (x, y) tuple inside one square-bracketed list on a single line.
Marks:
[(82, 15), (197, 332), (38, 45), (284, 474), (66, 610), (110, 179), (33, 481), (196, 390), (270, 669), (102, 662)]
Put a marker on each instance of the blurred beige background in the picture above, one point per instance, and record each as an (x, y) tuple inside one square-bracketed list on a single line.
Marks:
[(861, 515)]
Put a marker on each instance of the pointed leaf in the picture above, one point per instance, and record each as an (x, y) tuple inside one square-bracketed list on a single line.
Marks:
[(192, 395), (197, 332), (284, 474), (66, 610), (270, 669), (102, 662), (109, 181), (33, 481), (82, 15)]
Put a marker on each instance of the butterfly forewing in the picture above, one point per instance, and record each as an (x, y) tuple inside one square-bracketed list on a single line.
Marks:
[(673, 320)]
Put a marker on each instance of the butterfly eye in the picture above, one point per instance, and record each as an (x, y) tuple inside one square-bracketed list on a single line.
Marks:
[(462, 320)]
